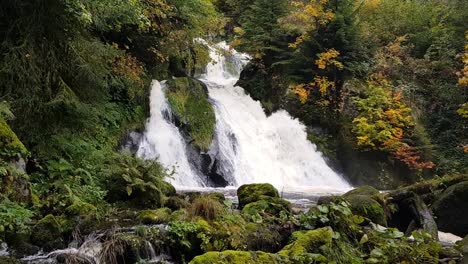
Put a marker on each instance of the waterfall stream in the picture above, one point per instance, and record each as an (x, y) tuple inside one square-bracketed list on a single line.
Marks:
[(249, 146)]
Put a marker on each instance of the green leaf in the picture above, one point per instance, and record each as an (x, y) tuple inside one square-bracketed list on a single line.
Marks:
[(364, 239), (129, 190)]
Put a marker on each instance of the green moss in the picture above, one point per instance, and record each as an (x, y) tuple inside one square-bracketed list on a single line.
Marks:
[(363, 190), (47, 233), (82, 209), (148, 217), (308, 242), (250, 193), (364, 205), (237, 257), (10, 146), (189, 101), (268, 205)]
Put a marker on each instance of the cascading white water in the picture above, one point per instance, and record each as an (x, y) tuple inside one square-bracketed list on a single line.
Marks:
[(249, 146), (254, 148), (163, 141)]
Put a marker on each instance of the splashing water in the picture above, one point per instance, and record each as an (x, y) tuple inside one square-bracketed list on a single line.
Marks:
[(250, 146)]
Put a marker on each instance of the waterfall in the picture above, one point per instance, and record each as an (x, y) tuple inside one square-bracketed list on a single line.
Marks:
[(249, 146), (163, 141)]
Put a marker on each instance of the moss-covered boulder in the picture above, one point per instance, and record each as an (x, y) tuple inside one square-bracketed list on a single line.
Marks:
[(366, 206), (82, 209), (308, 242), (363, 190), (159, 216), (261, 237), (449, 212), (47, 233), (250, 193), (188, 98), (270, 206)]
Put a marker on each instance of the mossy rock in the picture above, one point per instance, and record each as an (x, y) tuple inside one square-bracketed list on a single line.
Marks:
[(268, 205), (261, 237), (176, 203), (20, 245), (47, 233), (237, 257), (308, 242), (159, 216), (9, 260), (250, 193), (82, 209), (450, 216), (12, 148), (363, 190), (189, 102), (366, 206)]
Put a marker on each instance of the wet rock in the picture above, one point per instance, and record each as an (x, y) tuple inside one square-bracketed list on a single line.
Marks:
[(412, 213), (250, 193), (449, 212), (131, 141), (20, 245), (47, 234)]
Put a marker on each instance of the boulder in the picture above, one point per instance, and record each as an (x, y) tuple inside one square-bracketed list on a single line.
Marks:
[(269, 206), (366, 206), (365, 201), (304, 249), (411, 214), (47, 233), (363, 190), (250, 193), (450, 209)]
